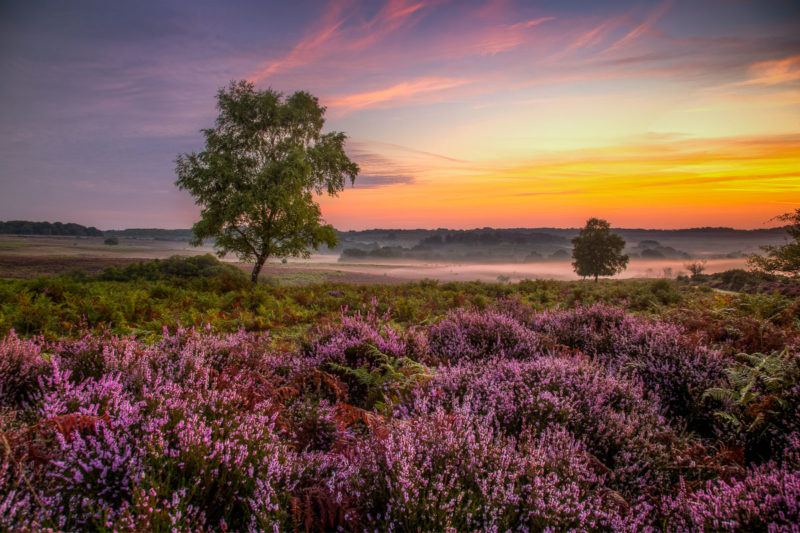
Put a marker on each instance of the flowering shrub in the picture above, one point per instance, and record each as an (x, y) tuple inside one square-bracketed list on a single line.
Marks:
[(613, 417), (175, 433), (348, 342), (677, 369), (570, 420), (471, 478), (21, 366), (767, 499), (465, 335)]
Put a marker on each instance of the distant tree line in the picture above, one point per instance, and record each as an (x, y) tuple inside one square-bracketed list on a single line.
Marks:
[(156, 234), (26, 227), (490, 237)]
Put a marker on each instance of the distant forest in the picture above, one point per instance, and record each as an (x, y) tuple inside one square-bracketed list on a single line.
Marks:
[(26, 227), (70, 229)]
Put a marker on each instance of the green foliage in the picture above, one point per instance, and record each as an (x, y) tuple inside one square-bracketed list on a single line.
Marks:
[(764, 307), (652, 295), (201, 266), (387, 382), (598, 252), (143, 299), (782, 259), (756, 395), (738, 279), (263, 161)]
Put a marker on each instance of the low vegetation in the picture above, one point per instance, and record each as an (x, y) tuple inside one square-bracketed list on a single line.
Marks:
[(175, 396), (783, 259)]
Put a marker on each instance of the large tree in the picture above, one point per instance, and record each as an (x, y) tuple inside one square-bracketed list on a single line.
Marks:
[(598, 252), (783, 259), (264, 159)]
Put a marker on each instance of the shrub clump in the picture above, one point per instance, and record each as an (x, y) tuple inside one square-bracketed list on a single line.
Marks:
[(472, 478), (350, 343), (21, 365), (466, 335), (614, 418), (669, 363), (766, 499), (200, 266)]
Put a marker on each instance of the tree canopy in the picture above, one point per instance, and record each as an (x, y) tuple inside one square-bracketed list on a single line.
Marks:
[(264, 159), (598, 252), (783, 259)]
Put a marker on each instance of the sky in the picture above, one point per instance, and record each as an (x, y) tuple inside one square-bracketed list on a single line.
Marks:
[(461, 114)]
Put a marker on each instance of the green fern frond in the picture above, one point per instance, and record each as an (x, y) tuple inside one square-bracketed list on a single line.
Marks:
[(721, 395), (731, 419)]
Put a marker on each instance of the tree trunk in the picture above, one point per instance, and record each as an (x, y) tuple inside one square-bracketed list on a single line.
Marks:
[(257, 269)]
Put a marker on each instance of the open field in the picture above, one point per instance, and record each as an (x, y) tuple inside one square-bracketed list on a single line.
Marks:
[(32, 266), (45, 245), (30, 256)]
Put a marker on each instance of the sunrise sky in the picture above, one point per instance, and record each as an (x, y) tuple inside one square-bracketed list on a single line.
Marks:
[(461, 114)]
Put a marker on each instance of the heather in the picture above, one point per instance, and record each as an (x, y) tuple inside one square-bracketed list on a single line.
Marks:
[(425, 407), (676, 368)]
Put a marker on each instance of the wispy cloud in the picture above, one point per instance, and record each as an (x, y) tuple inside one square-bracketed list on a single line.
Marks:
[(378, 170), (406, 150), (497, 39), (645, 26), (334, 33), (548, 193), (384, 164), (402, 93), (312, 45), (774, 72), (594, 36)]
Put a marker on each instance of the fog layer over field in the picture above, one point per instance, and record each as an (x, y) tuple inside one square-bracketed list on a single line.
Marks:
[(406, 255), (559, 270)]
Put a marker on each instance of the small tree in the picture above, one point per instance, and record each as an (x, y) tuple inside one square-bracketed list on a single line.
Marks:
[(111, 241), (696, 268), (263, 160), (782, 259), (598, 252)]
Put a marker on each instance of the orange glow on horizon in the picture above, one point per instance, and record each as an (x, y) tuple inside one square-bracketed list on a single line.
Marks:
[(737, 182)]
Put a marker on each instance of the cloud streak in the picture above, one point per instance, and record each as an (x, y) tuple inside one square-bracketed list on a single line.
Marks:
[(774, 72), (403, 93), (645, 26), (333, 35)]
